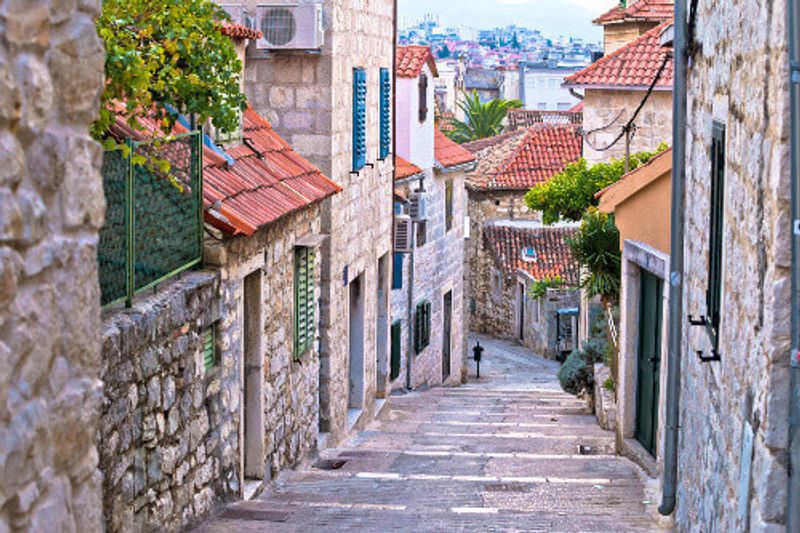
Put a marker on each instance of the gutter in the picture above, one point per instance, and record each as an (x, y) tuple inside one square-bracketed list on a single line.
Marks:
[(680, 57), (793, 501)]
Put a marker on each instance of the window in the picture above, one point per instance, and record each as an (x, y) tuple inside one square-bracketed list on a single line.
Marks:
[(423, 97), (561, 106), (359, 119), (397, 272), (386, 114), (208, 338), (716, 231), (422, 233), (422, 326), (397, 337), (448, 205), (304, 304)]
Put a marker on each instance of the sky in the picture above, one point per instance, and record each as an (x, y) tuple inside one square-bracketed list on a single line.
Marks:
[(554, 17)]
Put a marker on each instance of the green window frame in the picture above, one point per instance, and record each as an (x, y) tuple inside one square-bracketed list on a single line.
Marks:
[(448, 205), (305, 327), (422, 326), (716, 233), (397, 340), (208, 339)]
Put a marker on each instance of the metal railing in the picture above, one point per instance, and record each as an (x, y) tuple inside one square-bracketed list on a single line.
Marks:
[(154, 216), (525, 118)]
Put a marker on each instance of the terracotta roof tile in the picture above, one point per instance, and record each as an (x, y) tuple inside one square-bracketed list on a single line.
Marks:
[(449, 154), (231, 29), (403, 169), (553, 255), (526, 157), (635, 65), (411, 59), (643, 10)]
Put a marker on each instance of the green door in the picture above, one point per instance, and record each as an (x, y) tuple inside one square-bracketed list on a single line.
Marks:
[(649, 361), (397, 331)]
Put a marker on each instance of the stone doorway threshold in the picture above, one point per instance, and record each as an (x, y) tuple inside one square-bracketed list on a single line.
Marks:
[(353, 417), (252, 488)]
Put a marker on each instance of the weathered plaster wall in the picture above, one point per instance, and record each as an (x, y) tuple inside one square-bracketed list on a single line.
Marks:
[(602, 107), (744, 84), (414, 141), (51, 208), (168, 434), (615, 36)]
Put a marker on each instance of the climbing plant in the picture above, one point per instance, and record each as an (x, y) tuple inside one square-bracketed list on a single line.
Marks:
[(538, 289), (164, 56)]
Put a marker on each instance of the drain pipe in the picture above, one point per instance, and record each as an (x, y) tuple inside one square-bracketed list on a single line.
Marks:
[(670, 481), (793, 503)]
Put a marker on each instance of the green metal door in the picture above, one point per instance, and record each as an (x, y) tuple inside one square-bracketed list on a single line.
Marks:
[(649, 361), (397, 330), (447, 334)]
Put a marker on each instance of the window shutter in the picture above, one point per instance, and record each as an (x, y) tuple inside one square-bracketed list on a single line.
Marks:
[(209, 348), (386, 114), (359, 119), (397, 271), (717, 211), (448, 205), (423, 97), (422, 326), (397, 334), (304, 309)]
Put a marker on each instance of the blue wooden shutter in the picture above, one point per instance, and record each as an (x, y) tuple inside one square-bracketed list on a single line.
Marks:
[(359, 119), (386, 114), (397, 271)]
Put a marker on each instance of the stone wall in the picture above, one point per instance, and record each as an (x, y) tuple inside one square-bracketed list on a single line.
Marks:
[(750, 387), (438, 269), (540, 331), (484, 208), (653, 127), (617, 35), (169, 430), (287, 423), (51, 208)]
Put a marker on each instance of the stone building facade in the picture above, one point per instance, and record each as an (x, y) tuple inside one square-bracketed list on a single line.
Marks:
[(51, 208), (631, 19), (308, 97), (745, 111), (548, 324)]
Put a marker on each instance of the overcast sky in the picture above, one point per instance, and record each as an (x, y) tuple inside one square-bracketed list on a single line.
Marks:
[(553, 17)]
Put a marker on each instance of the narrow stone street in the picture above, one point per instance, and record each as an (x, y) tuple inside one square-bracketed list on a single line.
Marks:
[(510, 452)]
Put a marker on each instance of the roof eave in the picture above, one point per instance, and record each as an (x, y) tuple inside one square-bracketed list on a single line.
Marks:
[(616, 87), (452, 169)]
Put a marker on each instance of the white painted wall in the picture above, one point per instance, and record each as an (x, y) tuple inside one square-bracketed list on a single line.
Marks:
[(543, 89), (415, 138)]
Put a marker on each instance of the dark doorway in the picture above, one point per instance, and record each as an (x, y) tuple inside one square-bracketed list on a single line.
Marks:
[(356, 363), (447, 328), (649, 361)]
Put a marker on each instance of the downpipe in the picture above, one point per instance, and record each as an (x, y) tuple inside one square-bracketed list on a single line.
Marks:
[(670, 480), (793, 500)]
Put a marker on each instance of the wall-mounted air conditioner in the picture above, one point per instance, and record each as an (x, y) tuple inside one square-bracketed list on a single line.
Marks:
[(418, 208), (402, 234), (290, 27), (239, 15)]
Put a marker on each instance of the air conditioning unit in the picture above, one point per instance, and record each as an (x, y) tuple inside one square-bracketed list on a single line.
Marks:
[(290, 27), (419, 205), (403, 234), (239, 15)]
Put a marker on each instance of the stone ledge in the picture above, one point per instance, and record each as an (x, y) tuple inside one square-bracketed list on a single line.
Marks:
[(154, 315), (634, 451)]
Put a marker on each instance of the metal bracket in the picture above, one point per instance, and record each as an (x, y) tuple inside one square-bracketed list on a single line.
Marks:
[(715, 356), (370, 165), (702, 321)]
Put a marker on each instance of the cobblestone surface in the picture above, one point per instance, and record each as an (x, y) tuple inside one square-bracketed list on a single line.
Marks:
[(499, 454)]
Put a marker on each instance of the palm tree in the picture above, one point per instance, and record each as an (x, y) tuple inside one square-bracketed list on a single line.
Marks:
[(481, 119)]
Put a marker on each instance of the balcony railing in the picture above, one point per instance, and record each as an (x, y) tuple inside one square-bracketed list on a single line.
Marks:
[(154, 216)]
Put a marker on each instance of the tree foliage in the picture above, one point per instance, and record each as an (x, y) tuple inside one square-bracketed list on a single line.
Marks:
[(164, 56), (570, 193), (481, 119), (538, 289), (596, 247)]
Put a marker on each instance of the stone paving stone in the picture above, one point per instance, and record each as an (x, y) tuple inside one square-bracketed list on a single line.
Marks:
[(499, 454)]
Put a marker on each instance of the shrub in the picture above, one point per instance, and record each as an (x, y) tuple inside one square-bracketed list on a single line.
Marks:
[(576, 374)]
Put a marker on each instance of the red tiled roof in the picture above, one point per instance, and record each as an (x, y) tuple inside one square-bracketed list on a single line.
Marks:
[(231, 29), (411, 59), (577, 108), (635, 65), (528, 158), (553, 255), (259, 188), (449, 154), (403, 169), (266, 182), (643, 10)]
